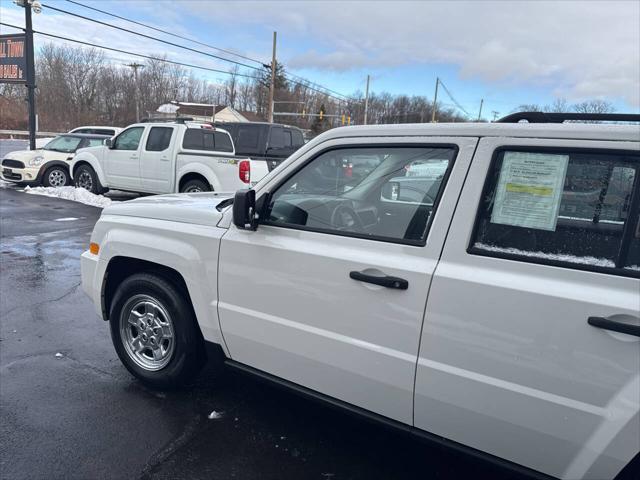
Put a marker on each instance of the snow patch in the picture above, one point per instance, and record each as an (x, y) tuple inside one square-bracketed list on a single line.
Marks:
[(632, 267), (215, 415), (559, 257), (59, 355), (65, 219), (74, 194)]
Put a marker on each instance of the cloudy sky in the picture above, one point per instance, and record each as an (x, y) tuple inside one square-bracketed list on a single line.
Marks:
[(505, 52)]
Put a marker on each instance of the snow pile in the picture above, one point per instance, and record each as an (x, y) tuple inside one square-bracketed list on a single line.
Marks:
[(214, 415), (71, 193), (558, 257)]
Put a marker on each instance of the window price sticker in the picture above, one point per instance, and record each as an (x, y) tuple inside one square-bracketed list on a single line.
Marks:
[(529, 190)]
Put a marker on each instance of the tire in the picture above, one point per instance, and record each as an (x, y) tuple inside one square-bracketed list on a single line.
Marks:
[(86, 177), (195, 185), (56, 176), (160, 311)]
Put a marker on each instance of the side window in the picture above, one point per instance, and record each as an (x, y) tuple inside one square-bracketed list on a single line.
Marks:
[(129, 139), (632, 261), (223, 142), (96, 142), (276, 138), (298, 139), (159, 139), (567, 207), (248, 139), (361, 192), (288, 139)]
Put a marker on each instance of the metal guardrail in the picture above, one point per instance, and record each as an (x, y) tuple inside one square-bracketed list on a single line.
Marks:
[(25, 133)]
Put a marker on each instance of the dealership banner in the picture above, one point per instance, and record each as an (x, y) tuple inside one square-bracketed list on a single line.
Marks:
[(13, 59)]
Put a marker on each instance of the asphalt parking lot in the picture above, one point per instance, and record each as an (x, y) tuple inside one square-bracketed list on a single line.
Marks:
[(70, 410)]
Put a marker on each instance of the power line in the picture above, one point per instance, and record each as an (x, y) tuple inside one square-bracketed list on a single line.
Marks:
[(305, 82), (453, 99), (100, 22), (150, 57), (229, 52)]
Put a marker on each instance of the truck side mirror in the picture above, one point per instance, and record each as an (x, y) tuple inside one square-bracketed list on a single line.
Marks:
[(391, 191), (109, 142), (244, 210)]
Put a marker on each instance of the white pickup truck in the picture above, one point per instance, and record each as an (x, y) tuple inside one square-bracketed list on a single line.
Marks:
[(165, 158), (475, 284)]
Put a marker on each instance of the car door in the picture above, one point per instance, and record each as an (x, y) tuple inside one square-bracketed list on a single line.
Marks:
[(512, 361), (156, 160), (295, 296), (122, 162)]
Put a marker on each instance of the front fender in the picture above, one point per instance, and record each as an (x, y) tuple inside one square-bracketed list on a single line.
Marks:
[(93, 161), (192, 252), (201, 169)]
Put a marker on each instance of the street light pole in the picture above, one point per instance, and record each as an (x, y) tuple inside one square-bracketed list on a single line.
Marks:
[(135, 67), (31, 74)]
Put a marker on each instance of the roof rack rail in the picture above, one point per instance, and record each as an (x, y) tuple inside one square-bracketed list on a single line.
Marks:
[(544, 117)]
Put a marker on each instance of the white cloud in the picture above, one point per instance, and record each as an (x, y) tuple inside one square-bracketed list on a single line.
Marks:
[(576, 48)]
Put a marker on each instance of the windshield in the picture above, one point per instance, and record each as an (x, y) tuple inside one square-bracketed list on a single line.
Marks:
[(64, 144)]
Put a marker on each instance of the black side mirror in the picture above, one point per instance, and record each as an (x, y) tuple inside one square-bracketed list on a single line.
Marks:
[(109, 142), (244, 210)]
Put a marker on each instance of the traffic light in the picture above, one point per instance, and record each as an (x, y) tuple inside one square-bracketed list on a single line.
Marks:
[(321, 115), (343, 119)]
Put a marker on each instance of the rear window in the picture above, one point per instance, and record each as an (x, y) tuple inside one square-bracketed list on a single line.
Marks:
[(571, 208), (205, 139)]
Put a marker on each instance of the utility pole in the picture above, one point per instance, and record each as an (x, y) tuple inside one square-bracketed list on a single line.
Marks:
[(31, 72), (480, 112), (272, 87), (495, 115), (135, 67), (366, 102), (435, 102)]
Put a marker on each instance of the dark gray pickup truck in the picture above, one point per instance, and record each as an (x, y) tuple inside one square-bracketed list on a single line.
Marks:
[(272, 142)]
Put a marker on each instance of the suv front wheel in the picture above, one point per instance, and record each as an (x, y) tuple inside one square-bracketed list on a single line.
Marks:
[(154, 331)]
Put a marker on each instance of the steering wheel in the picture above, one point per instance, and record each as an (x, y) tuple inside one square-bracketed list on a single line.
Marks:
[(345, 218)]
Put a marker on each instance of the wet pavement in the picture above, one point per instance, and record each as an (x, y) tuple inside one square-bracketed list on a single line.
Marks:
[(69, 410)]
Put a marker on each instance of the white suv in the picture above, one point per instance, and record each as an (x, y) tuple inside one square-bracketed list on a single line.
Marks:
[(476, 284)]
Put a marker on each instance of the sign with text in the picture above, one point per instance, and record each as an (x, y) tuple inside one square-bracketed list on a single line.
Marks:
[(529, 190), (13, 59)]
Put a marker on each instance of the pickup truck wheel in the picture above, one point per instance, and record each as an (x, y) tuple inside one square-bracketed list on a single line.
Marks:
[(193, 186), (86, 177), (154, 331), (55, 176)]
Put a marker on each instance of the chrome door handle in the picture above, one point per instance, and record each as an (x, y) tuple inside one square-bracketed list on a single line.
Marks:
[(614, 326)]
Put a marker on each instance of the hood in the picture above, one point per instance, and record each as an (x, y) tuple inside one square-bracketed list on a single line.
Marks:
[(196, 208), (26, 155)]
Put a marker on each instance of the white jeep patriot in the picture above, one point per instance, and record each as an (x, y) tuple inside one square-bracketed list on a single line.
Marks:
[(476, 284)]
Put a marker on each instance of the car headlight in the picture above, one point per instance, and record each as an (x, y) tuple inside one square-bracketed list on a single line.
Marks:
[(35, 161)]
